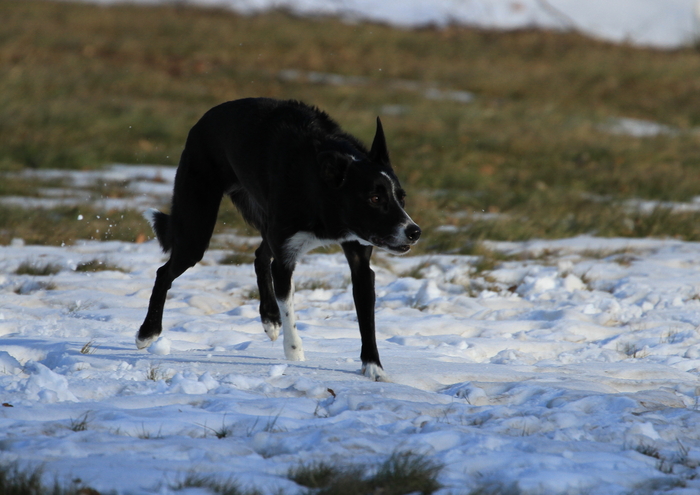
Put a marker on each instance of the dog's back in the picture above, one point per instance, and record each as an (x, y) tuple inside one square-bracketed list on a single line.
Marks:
[(261, 150)]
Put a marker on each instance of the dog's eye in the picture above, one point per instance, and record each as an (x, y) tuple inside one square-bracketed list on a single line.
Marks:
[(375, 199)]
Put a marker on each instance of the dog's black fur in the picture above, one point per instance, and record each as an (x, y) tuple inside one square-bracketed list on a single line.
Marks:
[(302, 182)]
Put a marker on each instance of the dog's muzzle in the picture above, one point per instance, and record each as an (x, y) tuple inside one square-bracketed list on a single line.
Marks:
[(401, 242)]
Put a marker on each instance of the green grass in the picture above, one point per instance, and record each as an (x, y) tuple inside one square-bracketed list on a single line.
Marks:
[(97, 265), (89, 347), (81, 423), (37, 269), (401, 474), (558, 219), (237, 259), (61, 225), (82, 86), (15, 480), (211, 485)]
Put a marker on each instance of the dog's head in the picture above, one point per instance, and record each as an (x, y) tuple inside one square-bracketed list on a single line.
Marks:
[(370, 196)]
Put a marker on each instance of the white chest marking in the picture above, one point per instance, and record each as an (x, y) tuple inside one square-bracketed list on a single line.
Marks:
[(303, 242)]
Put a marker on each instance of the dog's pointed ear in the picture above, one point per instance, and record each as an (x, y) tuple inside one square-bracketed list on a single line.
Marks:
[(379, 152), (334, 167)]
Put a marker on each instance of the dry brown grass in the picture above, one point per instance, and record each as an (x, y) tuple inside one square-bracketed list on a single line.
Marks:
[(84, 85)]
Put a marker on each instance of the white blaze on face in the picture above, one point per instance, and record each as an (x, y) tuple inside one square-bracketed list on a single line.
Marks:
[(400, 234)]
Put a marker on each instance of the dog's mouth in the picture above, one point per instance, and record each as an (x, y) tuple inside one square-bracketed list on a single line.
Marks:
[(402, 249), (389, 246)]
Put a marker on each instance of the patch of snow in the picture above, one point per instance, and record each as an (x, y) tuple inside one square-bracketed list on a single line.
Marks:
[(657, 23), (143, 185), (637, 128), (552, 379)]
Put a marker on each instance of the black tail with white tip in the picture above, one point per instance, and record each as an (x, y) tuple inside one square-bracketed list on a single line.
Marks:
[(160, 223)]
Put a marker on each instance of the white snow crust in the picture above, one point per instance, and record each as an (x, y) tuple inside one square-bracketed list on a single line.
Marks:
[(659, 23), (553, 373)]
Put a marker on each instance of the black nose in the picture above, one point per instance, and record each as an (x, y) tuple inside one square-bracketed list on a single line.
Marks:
[(413, 232)]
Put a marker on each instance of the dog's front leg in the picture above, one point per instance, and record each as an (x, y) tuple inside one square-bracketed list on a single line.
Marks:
[(363, 294), (284, 293)]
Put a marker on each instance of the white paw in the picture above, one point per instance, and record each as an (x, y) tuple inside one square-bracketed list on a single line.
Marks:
[(294, 351), (375, 373), (272, 329), (143, 343)]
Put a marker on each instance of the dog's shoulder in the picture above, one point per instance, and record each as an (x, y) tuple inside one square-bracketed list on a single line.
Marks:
[(269, 109)]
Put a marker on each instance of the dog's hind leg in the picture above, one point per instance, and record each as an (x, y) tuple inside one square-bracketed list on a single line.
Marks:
[(269, 310), (358, 257), (153, 323), (196, 201), (284, 293)]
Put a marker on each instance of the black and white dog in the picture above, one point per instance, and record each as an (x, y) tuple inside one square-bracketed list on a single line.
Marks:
[(303, 182)]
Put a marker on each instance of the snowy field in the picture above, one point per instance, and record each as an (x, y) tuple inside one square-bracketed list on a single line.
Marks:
[(572, 368), (658, 23)]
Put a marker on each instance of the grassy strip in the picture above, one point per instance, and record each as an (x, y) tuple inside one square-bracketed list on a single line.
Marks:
[(97, 265), (211, 485), (65, 225), (401, 474), (37, 269), (450, 225), (17, 481), (557, 219)]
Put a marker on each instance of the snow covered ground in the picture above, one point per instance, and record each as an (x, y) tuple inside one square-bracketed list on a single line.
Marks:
[(659, 23), (572, 368)]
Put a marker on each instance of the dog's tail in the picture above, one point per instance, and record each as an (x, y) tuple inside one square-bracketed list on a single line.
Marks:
[(160, 223)]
